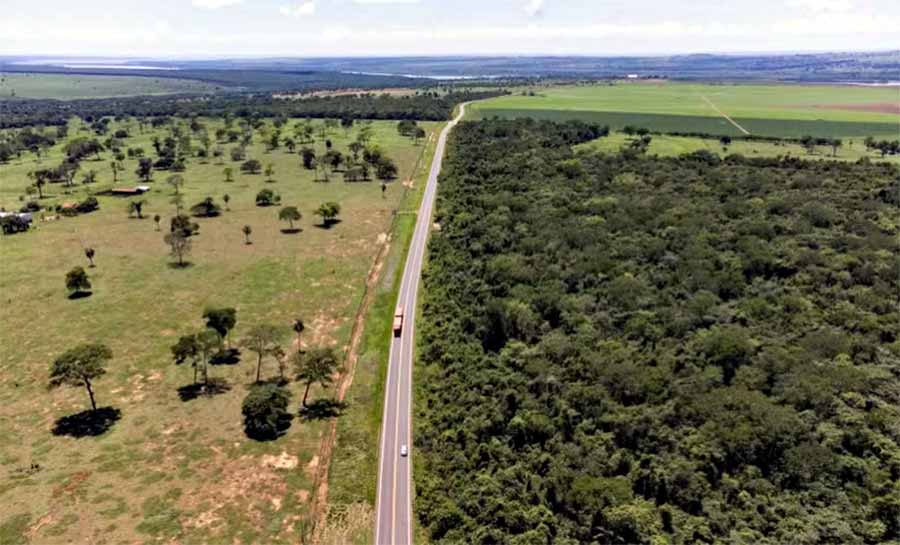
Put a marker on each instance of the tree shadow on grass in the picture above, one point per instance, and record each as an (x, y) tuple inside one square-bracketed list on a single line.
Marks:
[(229, 356), (80, 295), (293, 231), (322, 408), (281, 427), (185, 265), (329, 224), (88, 423), (217, 386)]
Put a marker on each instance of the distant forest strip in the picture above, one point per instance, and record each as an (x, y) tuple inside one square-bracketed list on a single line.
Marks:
[(426, 106), (628, 349), (665, 123), (243, 79)]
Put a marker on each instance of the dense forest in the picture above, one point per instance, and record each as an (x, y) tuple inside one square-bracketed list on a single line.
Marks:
[(430, 106), (630, 349)]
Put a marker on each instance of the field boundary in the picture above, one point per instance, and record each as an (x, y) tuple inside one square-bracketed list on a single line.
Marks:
[(723, 114)]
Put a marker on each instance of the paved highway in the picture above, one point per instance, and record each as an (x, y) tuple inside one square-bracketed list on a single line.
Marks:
[(393, 516)]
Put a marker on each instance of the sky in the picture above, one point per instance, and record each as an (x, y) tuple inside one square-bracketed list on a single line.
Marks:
[(312, 28)]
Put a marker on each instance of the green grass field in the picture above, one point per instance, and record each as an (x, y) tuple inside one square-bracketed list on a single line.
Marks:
[(173, 471), (767, 110), (69, 87), (667, 146)]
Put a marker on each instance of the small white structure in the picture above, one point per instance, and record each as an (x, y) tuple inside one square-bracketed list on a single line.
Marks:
[(632, 76)]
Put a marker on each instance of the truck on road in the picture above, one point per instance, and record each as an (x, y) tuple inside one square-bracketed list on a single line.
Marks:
[(398, 321)]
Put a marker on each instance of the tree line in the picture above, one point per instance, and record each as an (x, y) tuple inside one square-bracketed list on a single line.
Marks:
[(631, 349), (423, 106)]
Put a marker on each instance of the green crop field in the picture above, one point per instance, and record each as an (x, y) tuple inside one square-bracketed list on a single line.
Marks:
[(668, 146), (69, 87), (172, 470), (766, 110)]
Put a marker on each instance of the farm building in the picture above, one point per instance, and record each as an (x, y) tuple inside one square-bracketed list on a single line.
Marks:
[(129, 191)]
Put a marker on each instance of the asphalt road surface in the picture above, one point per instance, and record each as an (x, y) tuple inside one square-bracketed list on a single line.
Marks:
[(393, 517)]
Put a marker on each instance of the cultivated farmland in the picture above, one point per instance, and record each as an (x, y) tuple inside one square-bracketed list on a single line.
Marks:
[(764, 110), (168, 469), (69, 87)]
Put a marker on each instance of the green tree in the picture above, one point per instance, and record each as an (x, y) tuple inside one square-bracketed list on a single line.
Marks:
[(251, 166), (261, 339), (290, 214), (328, 212), (221, 320), (89, 253), (77, 281), (179, 246), (265, 411), (316, 366), (270, 171), (79, 366), (136, 207), (299, 327), (187, 349), (145, 169), (247, 230), (229, 174)]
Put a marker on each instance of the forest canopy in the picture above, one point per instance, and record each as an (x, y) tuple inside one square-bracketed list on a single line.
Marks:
[(629, 349)]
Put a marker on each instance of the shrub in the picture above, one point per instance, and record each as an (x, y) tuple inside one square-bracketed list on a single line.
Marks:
[(265, 411), (267, 197), (207, 208)]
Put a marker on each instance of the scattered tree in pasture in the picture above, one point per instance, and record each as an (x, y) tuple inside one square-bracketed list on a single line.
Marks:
[(136, 208), (835, 144), (247, 230), (207, 208), (179, 246), (77, 281), (145, 169), (187, 350), (89, 177), (116, 167), (267, 197), (308, 156), (385, 169), (261, 339), (156, 219), (265, 411), (221, 320), (251, 166), (80, 366), (182, 224), (177, 182), (229, 174), (226, 198), (316, 366), (89, 254), (290, 214), (270, 172), (419, 134), (39, 180), (328, 211), (299, 327)]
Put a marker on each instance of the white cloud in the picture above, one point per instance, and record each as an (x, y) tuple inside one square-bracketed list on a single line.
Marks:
[(823, 6), (301, 9), (533, 7), (383, 2), (214, 4)]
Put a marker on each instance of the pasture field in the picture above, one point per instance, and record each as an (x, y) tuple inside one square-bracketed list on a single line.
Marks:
[(766, 110), (172, 470), (69, 87), (667, 146)]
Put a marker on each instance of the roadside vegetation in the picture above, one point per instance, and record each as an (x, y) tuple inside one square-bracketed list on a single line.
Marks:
[(619, 348)]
